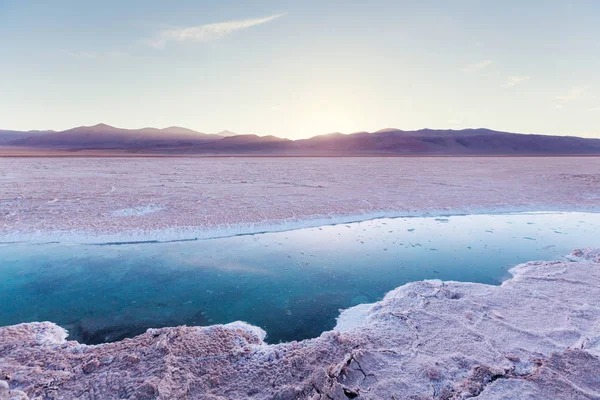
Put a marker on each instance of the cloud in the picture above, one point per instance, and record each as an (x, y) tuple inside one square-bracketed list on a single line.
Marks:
[(515, 80), (93, 56), (576, 93), (478, 66), (594, 108), (206, 33)]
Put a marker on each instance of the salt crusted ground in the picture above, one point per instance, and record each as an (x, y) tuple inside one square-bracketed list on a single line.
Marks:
[(167, 196), (537, 336)]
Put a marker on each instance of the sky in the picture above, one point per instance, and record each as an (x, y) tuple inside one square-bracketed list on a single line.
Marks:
[(301, 68)]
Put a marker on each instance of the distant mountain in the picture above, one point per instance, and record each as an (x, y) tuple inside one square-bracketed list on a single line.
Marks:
[(227, 133), (449, 142), (108, 137), (9, 136), (250, 144), (390, 141)]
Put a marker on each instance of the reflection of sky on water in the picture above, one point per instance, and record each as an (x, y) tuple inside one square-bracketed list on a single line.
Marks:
[(290, 283)]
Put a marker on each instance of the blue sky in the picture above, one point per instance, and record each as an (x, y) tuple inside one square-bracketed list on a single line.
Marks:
[(300, 68)]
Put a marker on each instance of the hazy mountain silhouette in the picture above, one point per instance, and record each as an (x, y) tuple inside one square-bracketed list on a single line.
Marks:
[(390, 141), (227, 133), (7, 136), (106, 136), (450, 142)]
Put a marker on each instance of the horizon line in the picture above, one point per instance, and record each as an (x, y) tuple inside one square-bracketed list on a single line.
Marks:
[(232, 133)]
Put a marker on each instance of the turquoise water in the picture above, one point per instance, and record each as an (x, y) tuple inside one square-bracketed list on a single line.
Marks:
[(291, 283)]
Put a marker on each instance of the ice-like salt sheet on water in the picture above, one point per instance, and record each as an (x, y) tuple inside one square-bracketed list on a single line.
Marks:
[(352, 317), (174, 234)]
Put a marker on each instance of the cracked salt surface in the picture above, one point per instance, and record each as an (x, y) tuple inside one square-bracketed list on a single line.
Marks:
[(292, 284)]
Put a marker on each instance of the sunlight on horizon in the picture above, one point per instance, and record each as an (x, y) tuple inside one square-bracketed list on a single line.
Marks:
[(297, 70)]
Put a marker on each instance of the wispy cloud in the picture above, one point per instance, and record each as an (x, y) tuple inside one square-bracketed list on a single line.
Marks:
[(478, 66), (206, 33), (93, 56), (515, 80), (576, 93)]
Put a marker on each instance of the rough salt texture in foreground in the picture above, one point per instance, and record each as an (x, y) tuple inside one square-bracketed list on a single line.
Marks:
[(112, 195), (535, 337)]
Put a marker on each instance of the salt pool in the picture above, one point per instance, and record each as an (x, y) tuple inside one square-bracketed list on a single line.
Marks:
[(292, 284)]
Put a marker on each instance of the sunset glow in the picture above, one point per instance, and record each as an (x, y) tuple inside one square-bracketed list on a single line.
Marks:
[(299, 69)]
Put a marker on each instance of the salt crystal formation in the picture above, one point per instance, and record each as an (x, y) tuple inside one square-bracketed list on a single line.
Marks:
[(537, 336)]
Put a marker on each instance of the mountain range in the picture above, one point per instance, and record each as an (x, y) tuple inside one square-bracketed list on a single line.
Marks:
[(177, 140)]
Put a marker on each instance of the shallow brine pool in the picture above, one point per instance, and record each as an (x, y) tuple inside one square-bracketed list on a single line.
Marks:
[(291, 283)]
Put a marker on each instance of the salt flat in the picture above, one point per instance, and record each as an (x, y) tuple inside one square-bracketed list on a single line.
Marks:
[(535, 336), (116, 195)]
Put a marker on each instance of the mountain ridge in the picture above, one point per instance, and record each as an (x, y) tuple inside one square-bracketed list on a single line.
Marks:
[(387, 141)]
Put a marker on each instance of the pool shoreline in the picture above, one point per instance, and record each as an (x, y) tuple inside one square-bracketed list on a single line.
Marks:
[(457, 338), (183, 234)]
